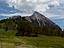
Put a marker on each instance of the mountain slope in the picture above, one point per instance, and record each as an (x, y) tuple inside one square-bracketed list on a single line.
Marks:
[(31, 25), (41, 20), (37, 19)]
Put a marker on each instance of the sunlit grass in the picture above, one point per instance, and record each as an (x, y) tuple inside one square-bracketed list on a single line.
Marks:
[(44, 41), (11, 41)]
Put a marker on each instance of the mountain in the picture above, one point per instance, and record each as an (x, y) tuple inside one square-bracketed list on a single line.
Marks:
[(41, 20), (38, 19), (31, 25)]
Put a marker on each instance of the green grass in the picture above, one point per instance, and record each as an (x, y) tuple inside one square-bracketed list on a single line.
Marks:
[(40, 42), (44, 41), (8, 38), (7, 33)]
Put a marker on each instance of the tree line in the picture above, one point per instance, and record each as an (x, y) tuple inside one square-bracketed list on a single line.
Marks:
[(26, 28)]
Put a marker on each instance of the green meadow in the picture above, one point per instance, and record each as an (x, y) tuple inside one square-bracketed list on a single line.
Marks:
[(9, 40)]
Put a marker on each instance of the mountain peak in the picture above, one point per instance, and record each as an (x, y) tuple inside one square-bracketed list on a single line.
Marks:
[(38, 19), (41, 20), (36, 13)]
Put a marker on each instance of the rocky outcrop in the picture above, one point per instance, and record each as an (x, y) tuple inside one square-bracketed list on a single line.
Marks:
[(41, 20), (38, 19)]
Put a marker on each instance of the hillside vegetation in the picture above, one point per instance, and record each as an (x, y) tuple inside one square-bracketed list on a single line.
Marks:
[(26, 28), (9, 41)]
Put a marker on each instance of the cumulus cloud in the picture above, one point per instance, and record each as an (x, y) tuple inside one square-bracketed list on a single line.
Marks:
[(15, 14), (32, 5), (50, 8), (56, 11)]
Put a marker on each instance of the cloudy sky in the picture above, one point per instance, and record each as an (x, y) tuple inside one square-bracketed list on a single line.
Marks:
[(53, 9)]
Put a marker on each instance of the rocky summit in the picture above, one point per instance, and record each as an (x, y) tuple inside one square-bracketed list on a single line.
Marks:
[(38, 19)]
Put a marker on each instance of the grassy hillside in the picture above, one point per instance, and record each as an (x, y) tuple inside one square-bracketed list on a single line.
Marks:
[(9, 41), (44, 41)]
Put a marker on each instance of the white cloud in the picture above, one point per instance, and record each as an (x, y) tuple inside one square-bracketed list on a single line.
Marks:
[(30, 5), (53, 16), (52, 8), (56, 11), (15, 14), (54, 2)]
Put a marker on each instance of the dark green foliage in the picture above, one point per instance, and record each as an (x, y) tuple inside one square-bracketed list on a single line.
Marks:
[(8, 25), (26, 28)]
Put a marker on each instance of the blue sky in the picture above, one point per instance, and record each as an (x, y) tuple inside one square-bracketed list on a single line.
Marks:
[(53, 9)]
